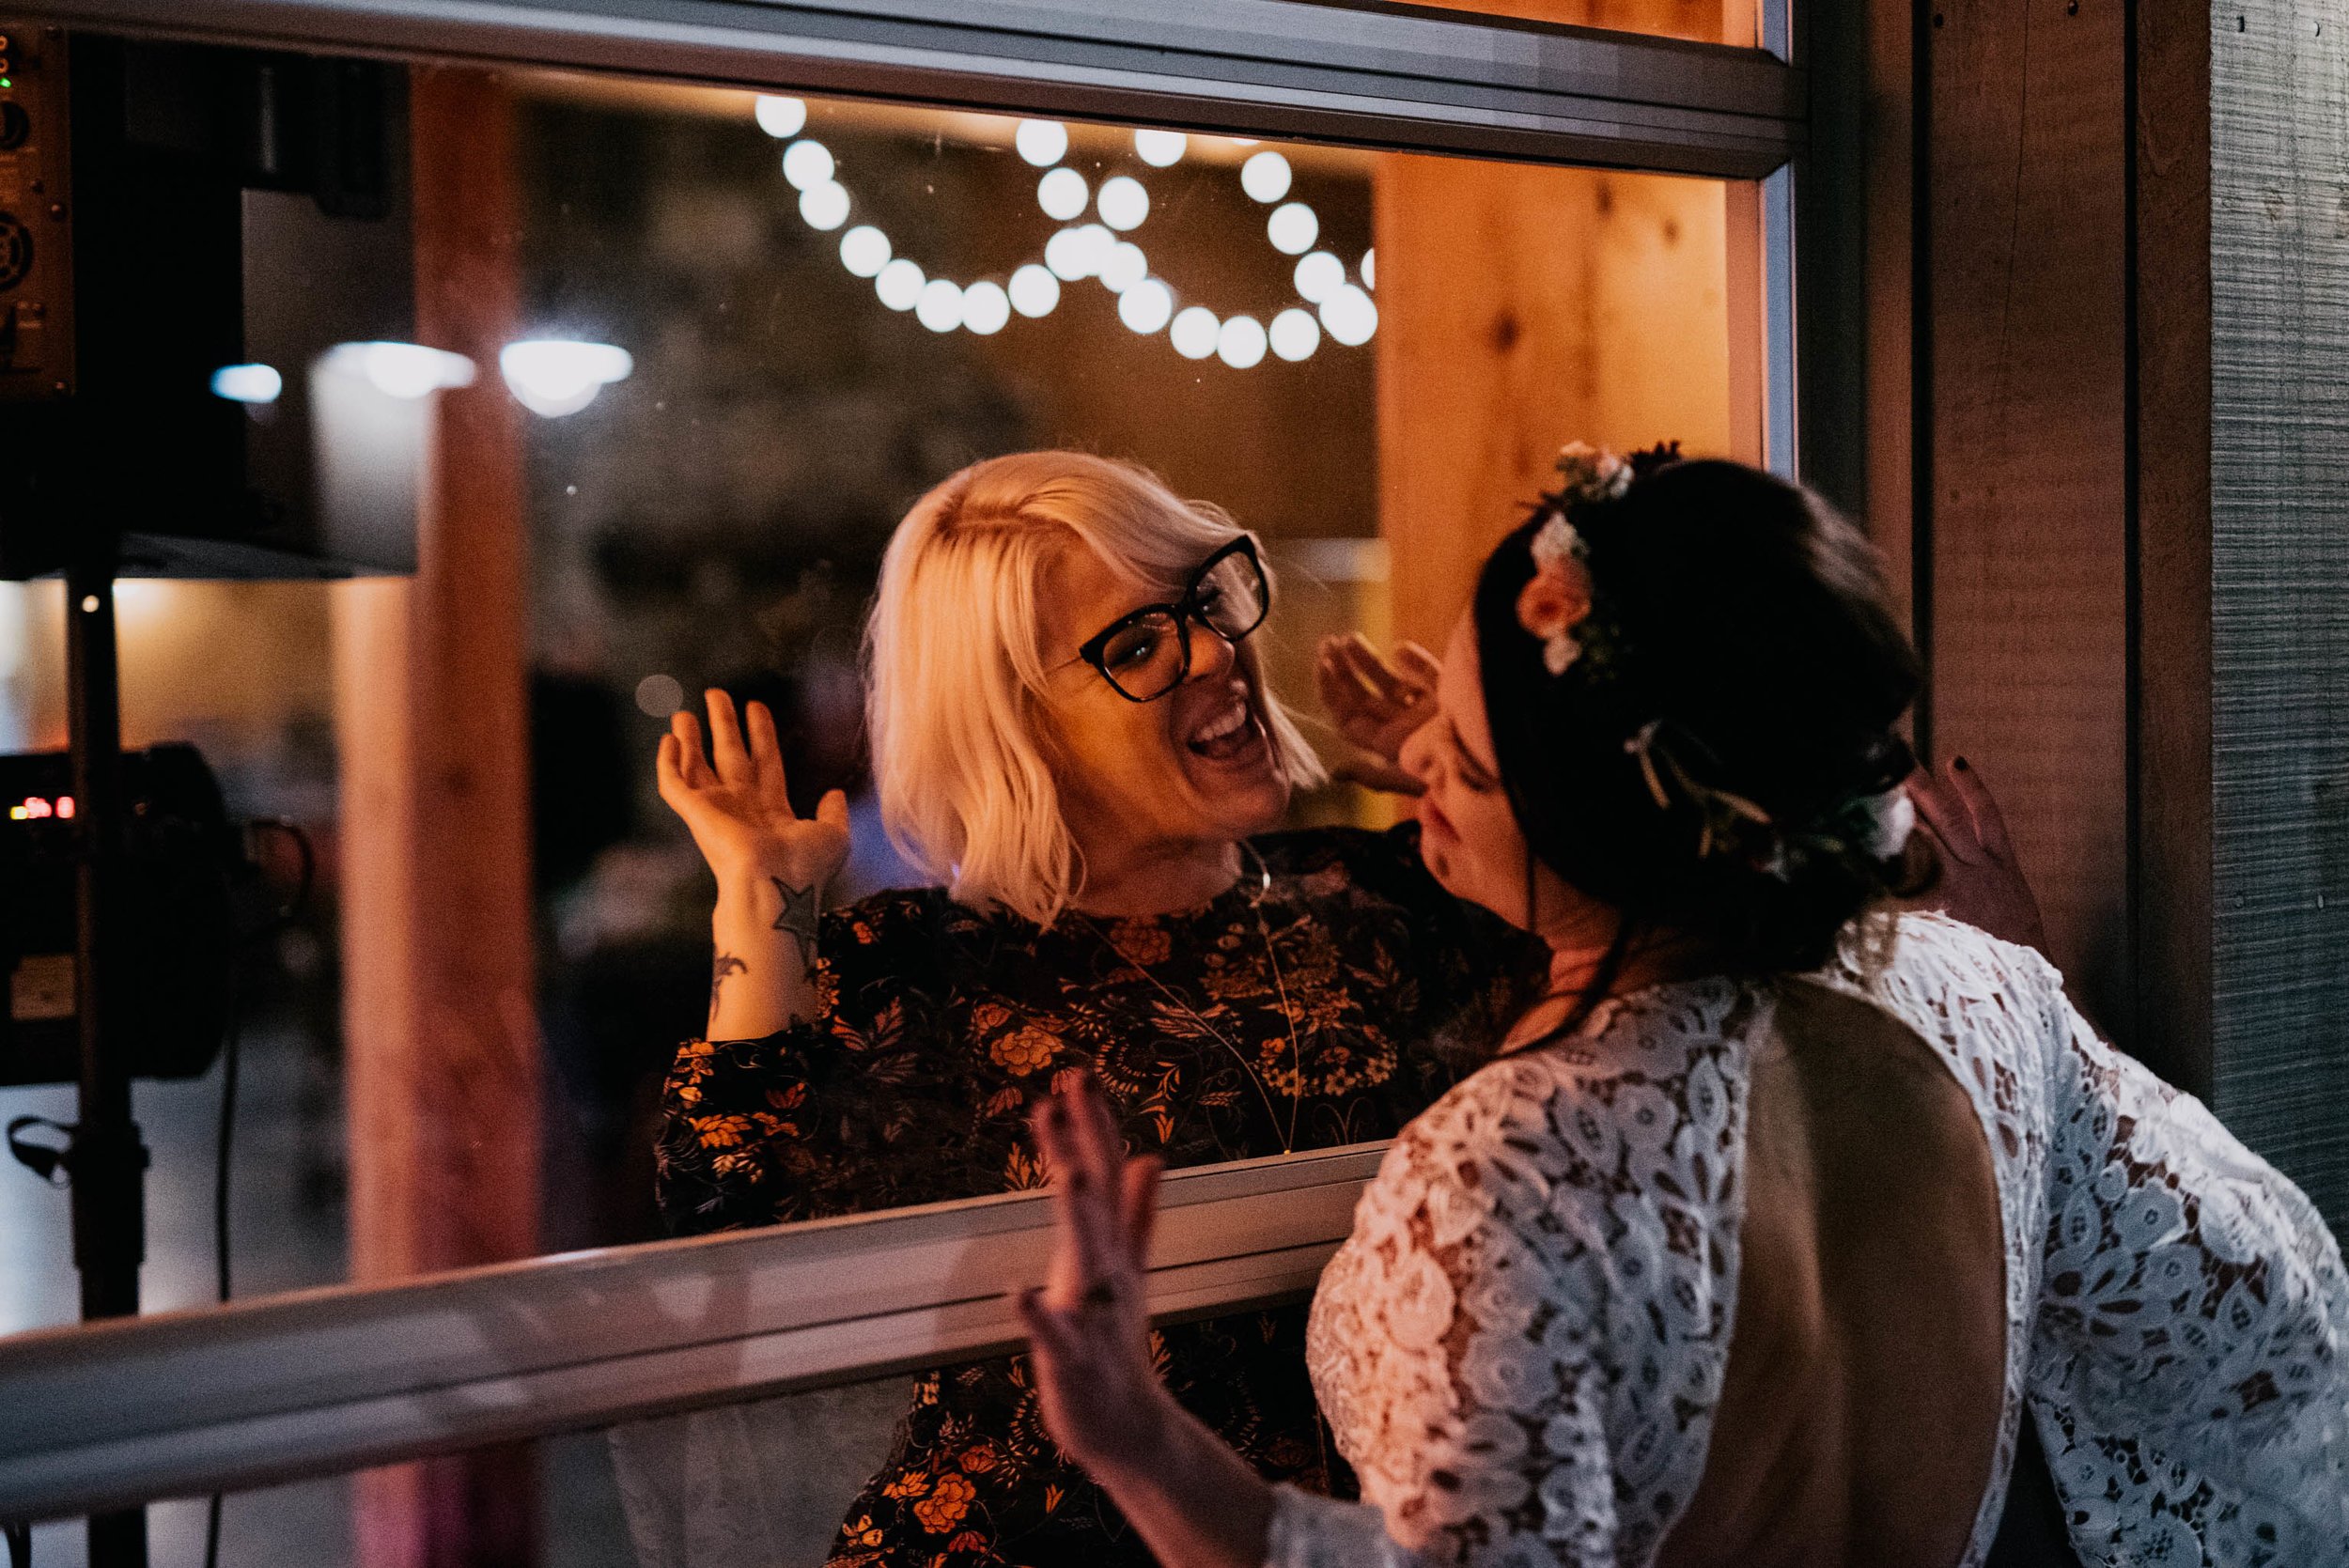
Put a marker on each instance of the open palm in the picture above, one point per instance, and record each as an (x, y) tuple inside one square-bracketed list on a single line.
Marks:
[(733, 801)]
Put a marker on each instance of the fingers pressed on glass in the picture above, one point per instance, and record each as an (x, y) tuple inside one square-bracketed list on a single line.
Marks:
[(1983, 807), (1952, 825)]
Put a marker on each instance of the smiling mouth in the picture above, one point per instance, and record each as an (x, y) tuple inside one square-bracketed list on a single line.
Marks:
[(1230, 734)]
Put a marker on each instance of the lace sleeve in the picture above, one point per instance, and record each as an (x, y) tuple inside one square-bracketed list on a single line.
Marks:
[(1520, 1345), (2193, 1348)]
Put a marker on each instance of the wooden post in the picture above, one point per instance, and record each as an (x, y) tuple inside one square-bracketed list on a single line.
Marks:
[(2028, 448), (440, 1039), (1521, 307)]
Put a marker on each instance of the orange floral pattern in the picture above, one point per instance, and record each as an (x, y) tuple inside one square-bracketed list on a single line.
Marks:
[(940, 1027)]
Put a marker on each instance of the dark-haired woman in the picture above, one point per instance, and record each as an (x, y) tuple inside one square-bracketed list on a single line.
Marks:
[(1768, 1231)]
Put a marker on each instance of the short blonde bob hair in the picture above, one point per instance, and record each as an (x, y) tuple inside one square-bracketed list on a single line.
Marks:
[(955, 668)]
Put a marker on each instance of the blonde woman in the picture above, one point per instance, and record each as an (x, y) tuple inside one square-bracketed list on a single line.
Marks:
[(1072, 732)]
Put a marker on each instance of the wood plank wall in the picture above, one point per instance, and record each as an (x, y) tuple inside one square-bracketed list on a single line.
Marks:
[(441, 1049), (2029, 366), (2280, 583)]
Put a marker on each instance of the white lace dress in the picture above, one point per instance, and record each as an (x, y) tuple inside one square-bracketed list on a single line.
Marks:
[(1521, 1346)]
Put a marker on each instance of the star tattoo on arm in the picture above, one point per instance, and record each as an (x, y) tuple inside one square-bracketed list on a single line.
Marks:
[(720, 968), (800, 914)]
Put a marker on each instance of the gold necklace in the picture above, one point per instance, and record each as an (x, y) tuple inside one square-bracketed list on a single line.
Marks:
[(1289, 1012)]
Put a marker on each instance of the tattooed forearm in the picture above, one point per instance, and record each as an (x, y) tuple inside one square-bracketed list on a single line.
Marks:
[(800, 914), (721, 967)]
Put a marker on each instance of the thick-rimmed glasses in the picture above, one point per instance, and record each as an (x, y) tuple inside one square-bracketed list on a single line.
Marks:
[(1146, 653)]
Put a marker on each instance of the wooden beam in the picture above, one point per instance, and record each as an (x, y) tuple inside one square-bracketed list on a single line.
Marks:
[(1521, 307), (2171, 698), (442, 1047), (2027, 182)]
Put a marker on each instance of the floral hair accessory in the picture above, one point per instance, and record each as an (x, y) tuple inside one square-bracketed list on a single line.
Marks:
[(1555, 608)]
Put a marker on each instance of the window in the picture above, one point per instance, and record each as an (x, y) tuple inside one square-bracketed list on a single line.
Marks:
[(1351, 275)]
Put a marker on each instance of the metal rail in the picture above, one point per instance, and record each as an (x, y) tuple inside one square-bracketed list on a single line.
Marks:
[(1372, 74), (113, 1414)]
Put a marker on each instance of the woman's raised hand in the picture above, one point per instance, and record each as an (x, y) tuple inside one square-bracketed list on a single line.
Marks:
[(1982, 881), (732, 802), (1089, 1322), (1376, 705)]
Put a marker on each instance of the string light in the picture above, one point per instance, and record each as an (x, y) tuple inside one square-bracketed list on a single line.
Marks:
[(940, 306), (825, 207), (1240, 344), (1264, 176), (899, 284), (1062, 193), (985, 309), (780, 117), (864, 251), (807, 164), (1319, 276), (1195, 332), (1123, 202), (1094, 250), (1041, 141), (1160, 149), (248, 384), (1295, 334), (1293, 228), (1370, 268), (1146, 305), (1034, 290), (558, 375)]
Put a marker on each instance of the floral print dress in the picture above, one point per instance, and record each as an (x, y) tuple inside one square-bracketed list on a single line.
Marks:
[(1326, 1003)]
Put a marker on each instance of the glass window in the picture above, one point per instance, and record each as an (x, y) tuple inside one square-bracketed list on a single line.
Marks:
[(664, 365)]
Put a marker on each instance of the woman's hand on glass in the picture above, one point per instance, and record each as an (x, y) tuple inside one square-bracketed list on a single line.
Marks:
[(1089, 1322), (1982, 881), (732, 800), (1376, 705)]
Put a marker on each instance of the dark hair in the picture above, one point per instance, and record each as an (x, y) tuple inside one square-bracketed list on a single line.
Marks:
[(1747, 621)]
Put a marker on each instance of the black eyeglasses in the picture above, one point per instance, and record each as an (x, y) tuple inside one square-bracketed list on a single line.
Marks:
[(1146, 654)]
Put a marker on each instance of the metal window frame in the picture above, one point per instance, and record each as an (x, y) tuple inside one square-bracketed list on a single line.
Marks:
[(1372, 74), (113, 1414)]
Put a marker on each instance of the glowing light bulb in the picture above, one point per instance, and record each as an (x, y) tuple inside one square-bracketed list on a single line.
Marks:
[(1123, 202), (1240, 344), (780, 117), (405, 370), (1349, 317), (899, 284), (1319, 276), (1062, 193), (864, 251), (1034, 290), (825, 207), (1370, 268), (1293, 228), (558, 375), (1194, 332), (1295, 334), (1161, 148), (807, 164), (1123, 267), (1042, 142), (1265, 176), (940, 306), (1145, 307), (247, 383), (985, 309), (1067, 255)]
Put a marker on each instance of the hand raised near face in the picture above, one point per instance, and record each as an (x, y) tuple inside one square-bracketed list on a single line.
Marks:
[(732, 800), (1376, 705), (1982, 881)]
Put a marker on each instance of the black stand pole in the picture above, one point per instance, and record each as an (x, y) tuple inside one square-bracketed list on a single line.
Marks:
[(107, 1159)]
